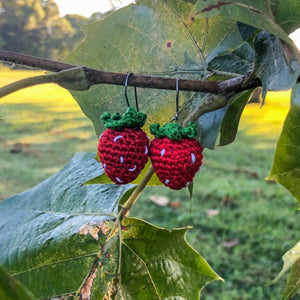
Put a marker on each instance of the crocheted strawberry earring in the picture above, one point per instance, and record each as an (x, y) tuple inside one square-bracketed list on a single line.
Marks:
[(123, 146), (175, 155)]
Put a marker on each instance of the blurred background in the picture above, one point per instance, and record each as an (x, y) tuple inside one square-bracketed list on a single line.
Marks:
[(242, 224), (49, 28)]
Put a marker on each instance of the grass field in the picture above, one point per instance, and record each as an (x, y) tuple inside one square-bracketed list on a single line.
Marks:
[(241, 224)]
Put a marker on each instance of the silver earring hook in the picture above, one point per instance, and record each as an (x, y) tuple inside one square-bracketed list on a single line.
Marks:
[(126, 82), (176, 117), (135, 93)]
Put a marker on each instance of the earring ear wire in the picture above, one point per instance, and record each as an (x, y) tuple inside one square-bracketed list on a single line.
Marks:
[(176, 117), (135, 93)]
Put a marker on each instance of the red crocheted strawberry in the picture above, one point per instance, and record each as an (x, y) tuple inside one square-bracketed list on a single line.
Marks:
[(175, 155), (123, 146)]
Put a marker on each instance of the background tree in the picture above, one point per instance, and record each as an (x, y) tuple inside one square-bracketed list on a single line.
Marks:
[(35, 27), (66, 226)]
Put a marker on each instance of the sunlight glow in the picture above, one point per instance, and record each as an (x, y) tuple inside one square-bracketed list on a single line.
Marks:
[(88, 7)]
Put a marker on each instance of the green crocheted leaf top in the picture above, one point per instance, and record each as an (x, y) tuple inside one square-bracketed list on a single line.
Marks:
[(130, 119), (173, 131)]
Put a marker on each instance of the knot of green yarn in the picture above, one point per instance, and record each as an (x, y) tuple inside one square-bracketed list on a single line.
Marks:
[(130, 119), (173, 131)]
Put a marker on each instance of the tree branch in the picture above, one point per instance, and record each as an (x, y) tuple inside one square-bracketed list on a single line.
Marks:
[(93, 76)]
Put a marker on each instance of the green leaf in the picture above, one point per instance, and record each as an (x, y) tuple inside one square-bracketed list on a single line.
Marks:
[(288, 15), (289, 259), (276, 64), (48, 235), (257, 13), (146, 39), (293, 282), (104, 179), (232, 117), (158, 264), (11, 289), (286, 163), (210, 124), (232, 41), (155, 38), (239, 61)]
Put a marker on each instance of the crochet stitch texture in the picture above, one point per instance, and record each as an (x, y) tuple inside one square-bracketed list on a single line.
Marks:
[(123, 147), (175, 155)]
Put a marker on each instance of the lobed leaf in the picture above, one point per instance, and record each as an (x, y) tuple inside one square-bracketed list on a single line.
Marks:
[(157, 264), (48, 235)]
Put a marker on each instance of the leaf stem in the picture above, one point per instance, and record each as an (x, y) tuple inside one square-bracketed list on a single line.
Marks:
[(137, 192), (209, 103), (24, 83)]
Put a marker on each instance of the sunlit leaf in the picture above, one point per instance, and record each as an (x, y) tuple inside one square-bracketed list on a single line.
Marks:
[(286, 164), (157, 264), (293, 283), (289, 259)]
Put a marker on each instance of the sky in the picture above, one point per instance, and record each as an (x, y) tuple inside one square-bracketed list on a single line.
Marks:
[(88, 7)]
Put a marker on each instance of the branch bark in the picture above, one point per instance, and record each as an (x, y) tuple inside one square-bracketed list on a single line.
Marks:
[(93, 76)]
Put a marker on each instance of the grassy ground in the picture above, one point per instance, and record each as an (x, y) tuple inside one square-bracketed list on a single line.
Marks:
[(241, 224), (40, 129)]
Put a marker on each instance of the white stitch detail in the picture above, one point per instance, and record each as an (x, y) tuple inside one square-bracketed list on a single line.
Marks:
[(187, 184), (100, 136), (121, 159), (133, 169), (162, 152), (119, 180), (118, 137), (193, 158), (167, 181), (104, 166), (146, 150)]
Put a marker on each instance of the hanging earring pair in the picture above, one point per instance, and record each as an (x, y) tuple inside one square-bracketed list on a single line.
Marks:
[(124, 148)]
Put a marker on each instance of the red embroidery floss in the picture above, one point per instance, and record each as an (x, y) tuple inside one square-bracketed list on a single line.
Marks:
[(123, 147), (175, 155)]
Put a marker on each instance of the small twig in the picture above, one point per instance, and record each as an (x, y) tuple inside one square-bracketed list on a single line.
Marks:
[(94, 76)]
